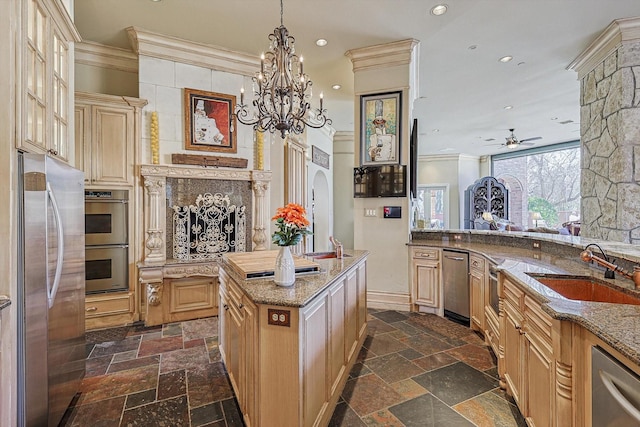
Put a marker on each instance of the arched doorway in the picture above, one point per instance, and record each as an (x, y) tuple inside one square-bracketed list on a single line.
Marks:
[(320, 207)]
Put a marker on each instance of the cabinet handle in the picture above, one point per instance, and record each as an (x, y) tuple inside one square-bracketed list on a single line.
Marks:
[(518, 327), (226, 307), (240, 305), (88, 309)]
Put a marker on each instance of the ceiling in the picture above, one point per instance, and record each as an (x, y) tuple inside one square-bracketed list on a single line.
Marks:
[(463, 87)]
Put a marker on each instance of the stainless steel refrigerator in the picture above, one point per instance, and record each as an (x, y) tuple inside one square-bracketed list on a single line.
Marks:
[(51, 288)]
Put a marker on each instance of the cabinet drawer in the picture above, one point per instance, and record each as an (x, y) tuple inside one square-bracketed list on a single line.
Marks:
[(476, 262), (512, 294), (537, 320), (108, 306), (426, 253)]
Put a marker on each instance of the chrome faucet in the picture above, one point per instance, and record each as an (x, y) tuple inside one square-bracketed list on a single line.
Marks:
[(587, 256), (337, 246)]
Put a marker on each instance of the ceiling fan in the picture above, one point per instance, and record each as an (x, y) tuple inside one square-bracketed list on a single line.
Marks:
[(513, 142)]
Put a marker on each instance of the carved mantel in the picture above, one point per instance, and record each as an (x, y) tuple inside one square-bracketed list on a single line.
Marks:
[(155, 266)]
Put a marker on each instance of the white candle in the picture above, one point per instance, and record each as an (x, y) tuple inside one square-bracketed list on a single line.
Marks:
[(242, 95)]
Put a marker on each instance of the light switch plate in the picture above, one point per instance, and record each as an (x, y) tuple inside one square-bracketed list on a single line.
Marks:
[(369, 212)]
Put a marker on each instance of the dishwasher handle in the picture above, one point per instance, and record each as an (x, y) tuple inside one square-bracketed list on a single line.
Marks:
[(610, 385), (454, 258)]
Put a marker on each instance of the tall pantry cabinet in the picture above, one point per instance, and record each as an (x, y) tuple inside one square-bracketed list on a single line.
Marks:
[(108, 148)]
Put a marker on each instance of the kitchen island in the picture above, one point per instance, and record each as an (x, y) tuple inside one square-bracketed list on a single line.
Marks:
[(289, 350)]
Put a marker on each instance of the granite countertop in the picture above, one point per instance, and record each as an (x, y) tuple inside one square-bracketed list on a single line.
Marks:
[(4, 302), (306, 287), (616, 324)]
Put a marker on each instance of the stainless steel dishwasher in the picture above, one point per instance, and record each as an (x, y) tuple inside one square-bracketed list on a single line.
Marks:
[(615, 392), (455, 276)]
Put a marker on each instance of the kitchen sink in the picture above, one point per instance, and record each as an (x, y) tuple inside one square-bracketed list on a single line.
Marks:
[(324, 255), (586, 289)]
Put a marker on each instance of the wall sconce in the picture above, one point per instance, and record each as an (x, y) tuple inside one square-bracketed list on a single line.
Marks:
[(536, 217)]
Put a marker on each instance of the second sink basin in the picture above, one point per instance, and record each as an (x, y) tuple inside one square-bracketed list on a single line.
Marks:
[(586, 289), (324, 255)]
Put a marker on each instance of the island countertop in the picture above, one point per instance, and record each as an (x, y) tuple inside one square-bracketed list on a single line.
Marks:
[(306, 286)]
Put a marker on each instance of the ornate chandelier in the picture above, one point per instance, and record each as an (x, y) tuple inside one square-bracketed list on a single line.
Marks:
[(280, 88)]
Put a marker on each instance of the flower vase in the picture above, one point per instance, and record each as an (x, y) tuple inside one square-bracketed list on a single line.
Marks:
[(285, 271)]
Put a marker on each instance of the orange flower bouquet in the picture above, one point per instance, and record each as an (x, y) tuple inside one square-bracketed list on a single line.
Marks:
[(292, 224)]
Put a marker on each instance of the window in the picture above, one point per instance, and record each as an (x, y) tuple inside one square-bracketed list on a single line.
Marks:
[(543, 184), (431, 207)]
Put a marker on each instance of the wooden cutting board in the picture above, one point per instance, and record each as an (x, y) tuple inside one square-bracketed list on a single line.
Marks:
[(262, 263)]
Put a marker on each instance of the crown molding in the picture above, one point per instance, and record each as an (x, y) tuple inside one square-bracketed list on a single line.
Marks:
[(100, 55), (445, 157), (170, 48), (618, 32), (344, 135), (383, 55)]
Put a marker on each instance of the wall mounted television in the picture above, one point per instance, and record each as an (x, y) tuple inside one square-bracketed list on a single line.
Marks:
[(380, 181)]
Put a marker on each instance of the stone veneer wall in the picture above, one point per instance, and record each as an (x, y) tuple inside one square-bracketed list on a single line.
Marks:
[(610, 130)]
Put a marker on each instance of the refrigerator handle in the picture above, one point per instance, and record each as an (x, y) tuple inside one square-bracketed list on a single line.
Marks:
[(53, 290)]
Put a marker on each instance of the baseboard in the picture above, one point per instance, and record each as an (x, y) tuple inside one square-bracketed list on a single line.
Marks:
[(388, 300)]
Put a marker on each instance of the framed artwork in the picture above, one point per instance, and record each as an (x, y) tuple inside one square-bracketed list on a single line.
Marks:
[(209, 121), (380, 133)]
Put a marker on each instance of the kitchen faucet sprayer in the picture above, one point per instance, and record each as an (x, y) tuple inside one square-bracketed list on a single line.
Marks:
[(586, 255)]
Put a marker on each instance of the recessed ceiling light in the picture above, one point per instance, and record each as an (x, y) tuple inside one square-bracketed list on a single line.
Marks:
[(436, 130), (336, 87), (321, 42), (554, 118), (156, 1), (439, 9), (521, 63), (473, 47), (508, 107), (506, 58)]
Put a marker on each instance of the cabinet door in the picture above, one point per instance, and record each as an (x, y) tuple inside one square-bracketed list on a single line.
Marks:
[(513, 351), (476, 282), (82, 124), (539, 379), (315, 336), (249, 360), (337, 334), (223, 321), (112, 145), (427, 282), (361, 280), (234, 368)]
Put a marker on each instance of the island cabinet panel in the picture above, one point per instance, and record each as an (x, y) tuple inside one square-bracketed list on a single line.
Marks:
[(316, 362), (337, 332), (288, 363)]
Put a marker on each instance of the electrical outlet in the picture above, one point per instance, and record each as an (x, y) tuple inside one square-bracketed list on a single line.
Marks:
[(279, 317), (536, 245), (457, 237), (369, 212)]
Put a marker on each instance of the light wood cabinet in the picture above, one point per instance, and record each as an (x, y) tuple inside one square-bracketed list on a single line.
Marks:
[(288, 365), (477, 285), (537, 359), (108, 310), (426, 279), (47, 98), (107, 134)]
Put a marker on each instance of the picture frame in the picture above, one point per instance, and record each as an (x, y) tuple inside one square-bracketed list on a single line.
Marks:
[(380, 128), (210, 124)]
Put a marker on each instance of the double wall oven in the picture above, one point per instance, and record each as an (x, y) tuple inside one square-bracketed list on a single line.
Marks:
[(106, 240)]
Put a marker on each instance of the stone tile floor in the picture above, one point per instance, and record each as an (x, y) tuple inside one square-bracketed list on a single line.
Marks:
[(413, 370)]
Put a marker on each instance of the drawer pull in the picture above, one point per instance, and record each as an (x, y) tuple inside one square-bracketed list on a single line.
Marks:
[(240, 305), (89, 309), (226, 307)]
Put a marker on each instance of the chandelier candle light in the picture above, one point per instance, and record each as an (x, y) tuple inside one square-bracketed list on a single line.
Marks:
[(292, 224), (282, 90)]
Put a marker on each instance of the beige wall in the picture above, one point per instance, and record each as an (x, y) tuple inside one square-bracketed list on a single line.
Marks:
[(343, 213)]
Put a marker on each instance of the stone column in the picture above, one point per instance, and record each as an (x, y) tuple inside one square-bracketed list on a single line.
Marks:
[(609, 72), (259, 236), (155, 221)]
